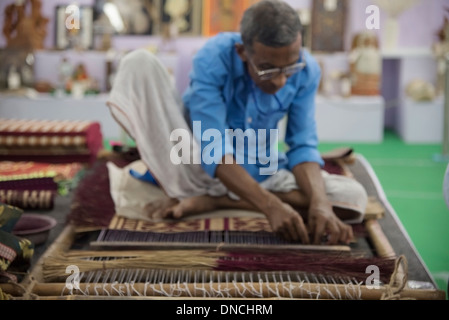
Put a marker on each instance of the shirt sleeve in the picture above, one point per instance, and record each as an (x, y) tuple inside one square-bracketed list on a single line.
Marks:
[(207, 109), (301, 135)]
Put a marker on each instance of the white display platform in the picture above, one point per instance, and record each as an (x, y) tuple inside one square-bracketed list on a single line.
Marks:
[(421, 122), (357, 119), (46, 107)]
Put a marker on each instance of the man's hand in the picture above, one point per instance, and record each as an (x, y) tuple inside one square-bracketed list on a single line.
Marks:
[(286, 222), (321, 219), (283, 220), (323, 222)]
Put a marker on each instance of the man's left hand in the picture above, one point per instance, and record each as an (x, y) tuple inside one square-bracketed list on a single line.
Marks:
[(322, 222)]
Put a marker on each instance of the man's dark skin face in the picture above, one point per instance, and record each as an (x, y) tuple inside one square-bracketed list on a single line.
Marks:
[(265, 57)]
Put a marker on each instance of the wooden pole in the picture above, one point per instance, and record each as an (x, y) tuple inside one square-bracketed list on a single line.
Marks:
[(379, 239), (290, 290)]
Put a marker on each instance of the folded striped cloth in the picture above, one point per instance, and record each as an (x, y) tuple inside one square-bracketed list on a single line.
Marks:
[(57, 141), (33, 185), (23, 170)]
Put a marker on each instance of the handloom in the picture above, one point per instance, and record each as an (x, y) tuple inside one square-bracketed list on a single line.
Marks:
[(196, 259)]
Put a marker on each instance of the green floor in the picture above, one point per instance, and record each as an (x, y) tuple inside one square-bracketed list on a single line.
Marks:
[(412, 180)]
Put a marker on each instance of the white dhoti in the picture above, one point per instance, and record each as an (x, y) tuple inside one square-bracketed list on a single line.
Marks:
[(145, 103)]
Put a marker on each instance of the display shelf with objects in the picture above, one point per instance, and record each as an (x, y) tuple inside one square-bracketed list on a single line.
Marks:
[(63, 99), (100, 66), (404, 57)]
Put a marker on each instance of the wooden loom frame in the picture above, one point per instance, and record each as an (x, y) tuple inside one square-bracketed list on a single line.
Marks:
[(35, 287)]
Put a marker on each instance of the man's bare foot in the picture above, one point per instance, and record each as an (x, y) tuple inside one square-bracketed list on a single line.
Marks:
[(178, 209), (156, 208)]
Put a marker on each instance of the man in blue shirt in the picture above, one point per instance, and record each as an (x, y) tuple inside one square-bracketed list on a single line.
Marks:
[(242, 85)]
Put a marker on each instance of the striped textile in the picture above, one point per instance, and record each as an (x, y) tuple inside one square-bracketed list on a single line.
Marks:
[(56, 141)]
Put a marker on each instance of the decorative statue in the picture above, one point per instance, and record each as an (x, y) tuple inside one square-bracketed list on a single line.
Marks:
[(65, 74), (25, 31), (394, 9), (136, 17), (365, 64), (177, 10), (420, 90)]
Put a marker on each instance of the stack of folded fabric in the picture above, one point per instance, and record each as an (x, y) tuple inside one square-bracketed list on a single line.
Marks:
[(50, 141), (32, 185)]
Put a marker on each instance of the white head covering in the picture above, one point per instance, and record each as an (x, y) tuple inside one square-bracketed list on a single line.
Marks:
[(145, 102)]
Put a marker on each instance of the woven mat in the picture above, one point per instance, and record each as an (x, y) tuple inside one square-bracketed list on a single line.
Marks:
[(250, 224)]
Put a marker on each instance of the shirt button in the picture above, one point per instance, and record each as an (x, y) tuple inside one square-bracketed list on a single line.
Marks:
[(250, 120)]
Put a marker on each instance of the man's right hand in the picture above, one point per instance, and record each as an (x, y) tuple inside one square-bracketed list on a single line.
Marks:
[(286, 222)]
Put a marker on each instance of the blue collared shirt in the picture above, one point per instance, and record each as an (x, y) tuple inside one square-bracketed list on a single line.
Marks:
[(222, 97)]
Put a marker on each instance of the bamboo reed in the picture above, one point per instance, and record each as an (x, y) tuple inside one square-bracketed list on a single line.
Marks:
[(347, 265), (230, 290), (379, 239)]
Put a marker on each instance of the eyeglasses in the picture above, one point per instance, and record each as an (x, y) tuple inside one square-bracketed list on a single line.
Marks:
[(275, 72)]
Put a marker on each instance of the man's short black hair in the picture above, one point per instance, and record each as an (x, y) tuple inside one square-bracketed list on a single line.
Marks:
[(274, 23)]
